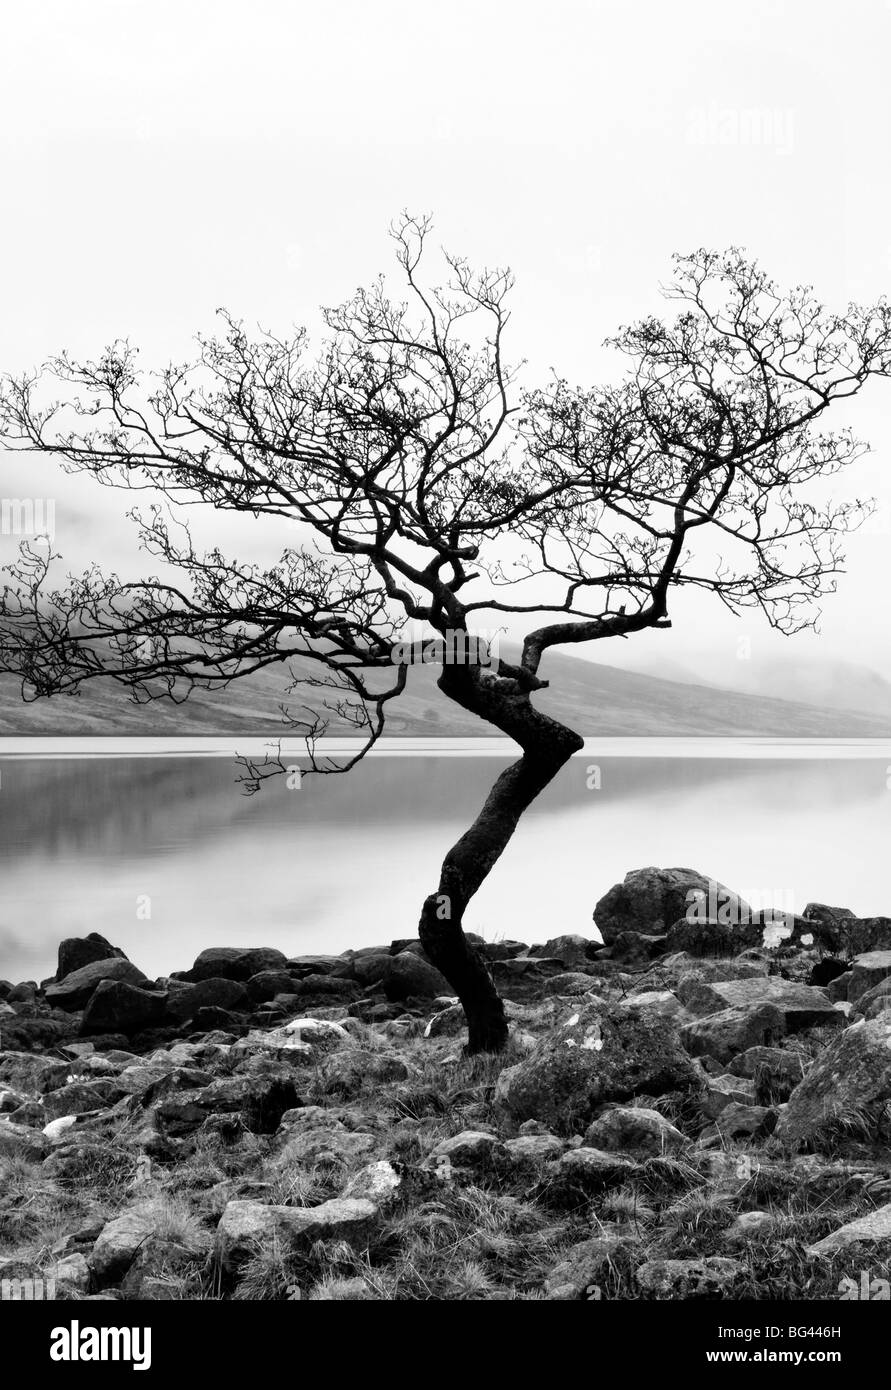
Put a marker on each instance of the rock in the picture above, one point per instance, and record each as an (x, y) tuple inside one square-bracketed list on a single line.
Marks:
[(634, 947), (655, 1003), (447, 1023), (234, 963), (721, 1091), (410, 976), (713, 938), (266, 984), (116, 1247), (737, 1119), (378, 1183), (872, 1229), (523, 977), (849, 1077), (847, 935), (18, 1141), (184, 1000), (749, 1226), (80, 1097), (469, 1149), (27, 1071), (635, 1129), (77, 951), (867, 971), (651, 900), (71, 1275), (788, 1065), (115, 1006), (323, 1143), (570, 984), (259, 1101), (591, 1059), (248, 1226), (705, 1278), (875, 1003), (723, 1035), (10, 1100), (573, 951), (75, 990), (582, 1266), (320, 1033), (350, 1071), (36, 1034), (56, 1129), (800, 1005), (312, 965), (529, 1150), (588, 1169)]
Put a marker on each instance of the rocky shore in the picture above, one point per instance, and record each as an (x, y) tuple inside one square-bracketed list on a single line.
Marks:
[(683, 1111)]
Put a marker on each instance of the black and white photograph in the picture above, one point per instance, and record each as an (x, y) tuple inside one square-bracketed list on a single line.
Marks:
[(445, 670)]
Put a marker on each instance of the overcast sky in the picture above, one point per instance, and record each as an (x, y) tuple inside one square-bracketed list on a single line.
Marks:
[(160, 159)]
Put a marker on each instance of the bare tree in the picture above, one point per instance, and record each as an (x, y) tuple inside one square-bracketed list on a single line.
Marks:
[(405, 451)]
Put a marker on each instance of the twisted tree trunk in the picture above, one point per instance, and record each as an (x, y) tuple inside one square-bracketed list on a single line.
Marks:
[(547, 746)]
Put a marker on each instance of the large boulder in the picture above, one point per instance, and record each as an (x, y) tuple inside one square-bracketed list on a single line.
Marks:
[(851, 1077), (837, 930), (867, 971), (184, 1000), (75, 990), (234, 963), (651, 900), (409, 975), (118, 1007), (573, 951), (725, 1034), (593, 1058), (77, 951), (802, 1006)]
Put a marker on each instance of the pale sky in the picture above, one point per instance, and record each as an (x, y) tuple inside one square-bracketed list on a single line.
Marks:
[(159, 159)]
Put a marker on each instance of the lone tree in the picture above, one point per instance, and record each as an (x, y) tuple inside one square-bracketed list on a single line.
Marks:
[(404, 452)]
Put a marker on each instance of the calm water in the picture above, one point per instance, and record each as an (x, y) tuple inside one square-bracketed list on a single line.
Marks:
[(87, 844)]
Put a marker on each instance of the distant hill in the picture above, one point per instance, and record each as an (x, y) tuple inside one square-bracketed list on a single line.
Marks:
[(591, 698)]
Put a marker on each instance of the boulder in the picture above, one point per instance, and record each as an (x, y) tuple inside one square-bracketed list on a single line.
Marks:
[(711, 937), (573, 951), (530, 1150), (117, 1244), (849, 1077), (184, 999), (633, 1129), (570, 984), (725, 1034), (74, 992), (655, 1003), (118, 1007), (651, 900), (469, 1149), (234, 963), (801, 1006), (697, 1278), (80, 1097), (28, 1071), (872, 1229), (246, 1227), (378, 1183), (581, 1267), (868, 970), (593, 1058), (77, 951), (266, 984), (409, 975), (838, 931), (20, 1141), (586, 1169)]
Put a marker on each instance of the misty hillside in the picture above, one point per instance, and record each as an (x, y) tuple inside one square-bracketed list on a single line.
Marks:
[(592, 698)]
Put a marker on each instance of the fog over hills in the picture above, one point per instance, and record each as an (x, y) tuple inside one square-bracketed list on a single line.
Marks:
[(794, 701)]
